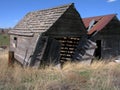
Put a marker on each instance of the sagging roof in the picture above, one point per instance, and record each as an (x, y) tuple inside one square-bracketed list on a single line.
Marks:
[(100, 22), (40, 21)]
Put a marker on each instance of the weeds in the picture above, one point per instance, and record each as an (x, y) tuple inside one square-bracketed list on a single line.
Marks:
[(98, 76)]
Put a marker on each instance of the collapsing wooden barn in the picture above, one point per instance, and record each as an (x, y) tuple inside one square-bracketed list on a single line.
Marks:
[(47, 36), (107, 38)]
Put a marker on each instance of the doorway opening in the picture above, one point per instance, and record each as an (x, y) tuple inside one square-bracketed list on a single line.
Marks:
[(97, 53)]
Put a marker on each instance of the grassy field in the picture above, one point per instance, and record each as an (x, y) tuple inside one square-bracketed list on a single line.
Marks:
[(98, 76), (4, 39)]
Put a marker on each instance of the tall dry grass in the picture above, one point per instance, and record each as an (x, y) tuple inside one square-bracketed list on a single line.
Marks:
[(73, 76)]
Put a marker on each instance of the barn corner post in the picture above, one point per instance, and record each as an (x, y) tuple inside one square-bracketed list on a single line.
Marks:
[(10, 56)]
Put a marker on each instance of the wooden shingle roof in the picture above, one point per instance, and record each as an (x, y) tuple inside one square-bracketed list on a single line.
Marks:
[(40, 21)]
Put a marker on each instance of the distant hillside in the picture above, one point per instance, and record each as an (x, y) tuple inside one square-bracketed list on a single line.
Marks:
[(4, 30)]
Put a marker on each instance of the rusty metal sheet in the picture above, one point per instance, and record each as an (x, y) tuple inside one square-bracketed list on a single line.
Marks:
[(101, 22)]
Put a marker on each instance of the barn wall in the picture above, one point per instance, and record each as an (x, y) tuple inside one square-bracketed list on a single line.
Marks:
[(19, 45), (11, 42), (110, 45), (69, 24), (110, 48), (52, 52)]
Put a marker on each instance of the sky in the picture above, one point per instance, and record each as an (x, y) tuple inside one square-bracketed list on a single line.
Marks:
[(12, 11)]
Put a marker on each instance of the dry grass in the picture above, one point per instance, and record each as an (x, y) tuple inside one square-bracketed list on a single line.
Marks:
[(98, 76)]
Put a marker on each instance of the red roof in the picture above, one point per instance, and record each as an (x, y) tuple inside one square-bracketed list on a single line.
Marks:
[(102, 21)]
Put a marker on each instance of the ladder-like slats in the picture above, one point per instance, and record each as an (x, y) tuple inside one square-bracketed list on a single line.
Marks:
[(68, 45)]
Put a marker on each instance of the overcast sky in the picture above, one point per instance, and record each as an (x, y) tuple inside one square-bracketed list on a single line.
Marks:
[(11, 11)]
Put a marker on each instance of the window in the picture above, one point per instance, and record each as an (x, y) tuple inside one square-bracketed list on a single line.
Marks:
[(15, 38), (15, 42)]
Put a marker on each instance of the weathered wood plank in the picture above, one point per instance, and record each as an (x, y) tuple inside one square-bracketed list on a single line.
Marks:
[(21, 34), (10, 58)]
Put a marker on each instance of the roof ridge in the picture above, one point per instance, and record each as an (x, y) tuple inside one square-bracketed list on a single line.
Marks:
[(65, 5), (99, 16)]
